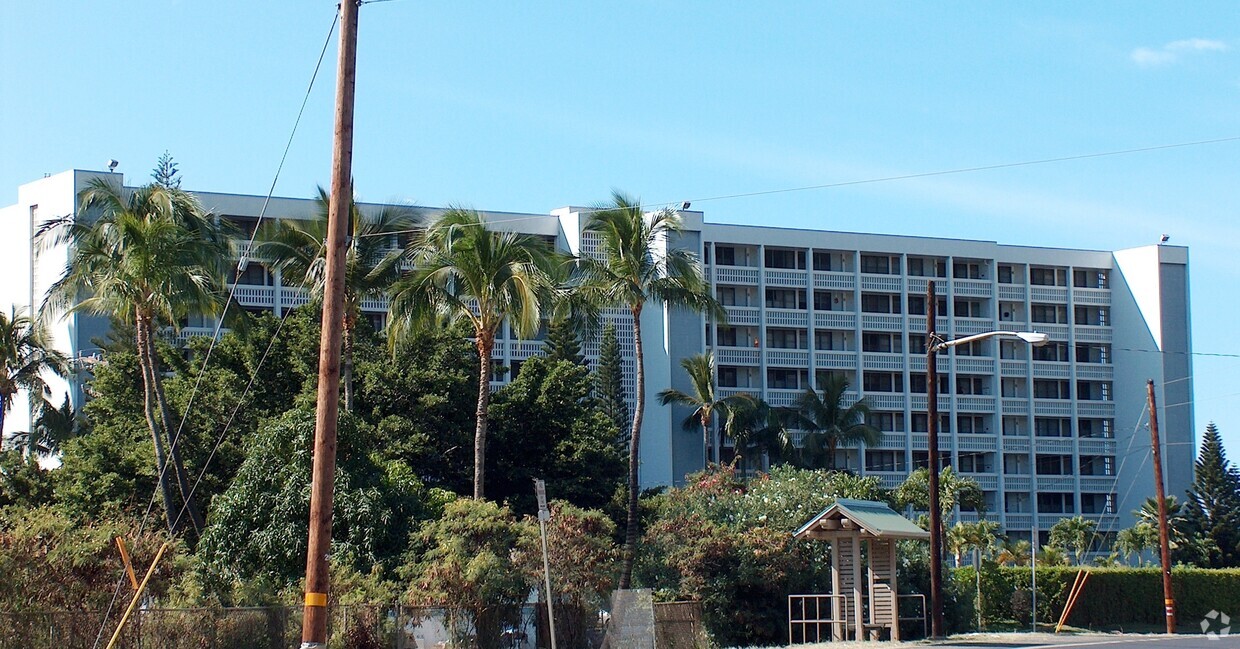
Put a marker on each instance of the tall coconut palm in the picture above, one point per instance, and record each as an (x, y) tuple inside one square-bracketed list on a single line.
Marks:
[(464, 272), (51, 428), (756, 426), (26, 357), (373, 260), (703, 398), (829, 423), (151, 257), (636, 266)]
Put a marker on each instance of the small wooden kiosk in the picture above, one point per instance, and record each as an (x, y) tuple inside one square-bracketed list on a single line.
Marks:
[(847, 525)]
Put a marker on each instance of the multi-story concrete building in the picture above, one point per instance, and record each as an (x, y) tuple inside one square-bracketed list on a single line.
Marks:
[(1048, 432)]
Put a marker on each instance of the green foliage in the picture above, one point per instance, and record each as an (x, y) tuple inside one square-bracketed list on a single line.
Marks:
[(50, 561), (829, 423), (165, 172), (546, 425), (23, 483), (1213, 504), (26, 356), (563, 342), (609, 386), (582, 552), (464, 562), (258, 527), (1112, 598), (953, 490), (964, 537), (1074, 536), (729, 543)]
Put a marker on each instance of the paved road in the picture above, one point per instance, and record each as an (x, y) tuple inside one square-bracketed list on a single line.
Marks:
[(1099, 641)]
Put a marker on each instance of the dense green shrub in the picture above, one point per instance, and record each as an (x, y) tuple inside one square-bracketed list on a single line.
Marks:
[(1113, 597)]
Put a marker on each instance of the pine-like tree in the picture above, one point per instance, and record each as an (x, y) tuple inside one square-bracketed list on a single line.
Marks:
[(1214, 501), (609, 384), (562, 343), (165, 172)]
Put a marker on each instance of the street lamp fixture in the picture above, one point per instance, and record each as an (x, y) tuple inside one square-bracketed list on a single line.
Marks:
[(934, 345)]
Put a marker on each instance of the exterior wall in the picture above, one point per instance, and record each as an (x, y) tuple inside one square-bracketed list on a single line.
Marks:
[(995, 400)]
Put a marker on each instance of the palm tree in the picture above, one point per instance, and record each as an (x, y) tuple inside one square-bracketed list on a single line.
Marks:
[(633, 269), (830, 424), (52, 428), (1134, 541), (373, 260), (463, 271), (1074, 535), (26, 355), (704, 398), (151, 257), (1013, 552), (753, 425)]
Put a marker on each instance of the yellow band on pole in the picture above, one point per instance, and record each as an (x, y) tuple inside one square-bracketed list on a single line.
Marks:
[(316, 599)]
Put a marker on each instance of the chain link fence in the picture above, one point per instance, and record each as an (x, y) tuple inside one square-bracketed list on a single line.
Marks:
[(678, 626)]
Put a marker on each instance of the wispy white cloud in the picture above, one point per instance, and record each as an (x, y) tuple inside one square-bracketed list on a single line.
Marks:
[(1173, 51)]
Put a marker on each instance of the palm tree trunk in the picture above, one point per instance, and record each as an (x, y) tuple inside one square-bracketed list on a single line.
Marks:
[(174, 435), (486, 342), (631, 530), (706, 444), (148, 409), (831, 454)]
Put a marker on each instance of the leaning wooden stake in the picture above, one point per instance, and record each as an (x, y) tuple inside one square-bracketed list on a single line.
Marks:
[(137, 596), (133, 579), (1078, 585)]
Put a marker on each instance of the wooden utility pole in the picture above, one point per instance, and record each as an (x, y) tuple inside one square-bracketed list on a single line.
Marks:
[(314, 625), (932, 442), (1164, 543)]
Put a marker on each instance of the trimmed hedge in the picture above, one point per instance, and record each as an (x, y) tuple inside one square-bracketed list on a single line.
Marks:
[(1113, 597)]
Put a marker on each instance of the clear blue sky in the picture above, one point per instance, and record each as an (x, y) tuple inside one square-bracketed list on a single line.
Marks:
[(529, 106)]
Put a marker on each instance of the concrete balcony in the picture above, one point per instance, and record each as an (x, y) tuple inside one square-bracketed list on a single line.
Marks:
[(835, 360), (966, 442), (1053, 294), (1013, 444), (1093, 296), (917, 363), (1056, 445), (783, 397), (787, 357), (751, 391), (889, 479), (736, 275), (786, 318), (988, 482), (975, 403), (1098, 484), (736, 356), (919, 402), (1055, 331), (1093, 334), (1017, 483), (791, 278), (879, 361), (1015, 406), (1095, 371), (1013, 292), (884, 283), (1092, 446), (917, 285), (1051, 370), (254, 296), (884, 401), (882, 322), (1056, 483), (522, 349), (974, 365), (970, 326), (917, 324), (742, 315), (1052, 407), (835, 320), (1096, 409), (1014, 521), (1013, 368), (972, 288), (834, 280)]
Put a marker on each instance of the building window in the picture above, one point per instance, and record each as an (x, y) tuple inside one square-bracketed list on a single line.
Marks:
[(1052, 427), (1089, 278), (927, 267), (917, 306), (1052, 351), (881, 342), (1054, 464), (917, 383), (917, 343), (785, 338), (785, 298), (1087, 353), (974, 348), (883, 382), (887, 422), (970, 309), (885, 461), (972, 385), (1050, 389), (1008, 275), (880, 264), (830, 301), (967, 270), (1055, 503), (1097, 503), (727, 377), (831, 260), (1100, 465), (828, 340), (785, 259), (1093, 390), (972, 424), (880, 303), (785, 379), (255, 274), (1015, 464), (1048, 276), (921, 423), (1098, 428), (727, 337), (1098, 316), (976, 462), (1048, 313), (725, 255)]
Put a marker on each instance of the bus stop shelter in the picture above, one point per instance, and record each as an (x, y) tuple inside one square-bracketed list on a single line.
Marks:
[(863, 536)]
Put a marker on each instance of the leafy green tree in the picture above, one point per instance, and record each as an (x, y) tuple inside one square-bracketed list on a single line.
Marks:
[(1013, 552), (152, 256), (23, 483), (166, 173), (609, 385), (373, 260), (1187, 545), (465, 272), (26, 356), (546, 425), (464, 562), (50, 430), (703, 398), (829, 423), (1134, 541), (757, 429), (953, 490), (965, 537), (1212, 509), (1074, 536), (636, 269), (258, 527), (563, 342)]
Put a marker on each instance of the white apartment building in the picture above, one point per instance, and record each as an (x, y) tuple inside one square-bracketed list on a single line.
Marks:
[(1048, 432)]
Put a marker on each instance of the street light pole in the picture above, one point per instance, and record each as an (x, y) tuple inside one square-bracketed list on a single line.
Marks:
[(932, 442), (934, 345)]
